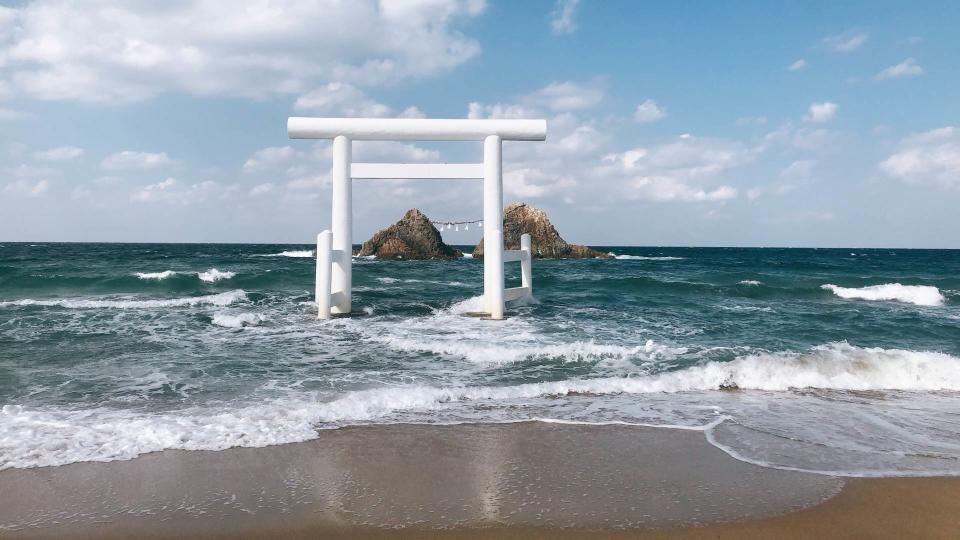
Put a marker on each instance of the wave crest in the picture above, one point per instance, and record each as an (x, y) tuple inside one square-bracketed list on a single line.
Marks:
[(921, 295), (212, 275), (221, 299), (156, 275)]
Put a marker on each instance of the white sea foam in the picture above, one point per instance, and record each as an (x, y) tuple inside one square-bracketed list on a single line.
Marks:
[(38, 437), (237, 320), (213, 275), (751, 282), (295, 253), (468, 255), (156, 275), (485, 353), (221, 299), (644, 258), (921, 295)]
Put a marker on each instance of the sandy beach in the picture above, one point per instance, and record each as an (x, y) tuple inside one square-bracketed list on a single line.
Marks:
[(523, 480)]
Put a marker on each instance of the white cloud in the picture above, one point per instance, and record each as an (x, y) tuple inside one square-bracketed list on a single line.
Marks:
[(10, 114), (340, 99), (798, 170), (907, 68), (667, 189), (103, 51), (169, 191), (932, 158), (567, 95), (153, 191), (798, 65), (821, 112), (679, 171), (27, 187), (562, 17), (269, 157), (848, 41), (411, 112), (132, 160), (261, 189), (61, 153), (556, 97), (498, 110), (648, 112), (528, 183)]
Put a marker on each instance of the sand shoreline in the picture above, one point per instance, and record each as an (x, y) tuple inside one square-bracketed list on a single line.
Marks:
[(525, 480)]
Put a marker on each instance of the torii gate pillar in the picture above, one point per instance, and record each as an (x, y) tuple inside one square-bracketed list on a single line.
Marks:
[(341, 217), (493, 226)]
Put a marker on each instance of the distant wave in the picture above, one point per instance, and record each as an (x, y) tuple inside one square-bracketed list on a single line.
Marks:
[(237, 320), (156, 275), (213, 275), (42, 437), (921, 295), (221, 299), (751, 282), (302, 253), (644, 258)]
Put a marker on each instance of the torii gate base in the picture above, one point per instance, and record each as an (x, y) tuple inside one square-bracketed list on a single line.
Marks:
[(335, 248)]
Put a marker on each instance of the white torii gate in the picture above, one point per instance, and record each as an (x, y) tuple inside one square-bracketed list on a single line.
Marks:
[(335, 249)]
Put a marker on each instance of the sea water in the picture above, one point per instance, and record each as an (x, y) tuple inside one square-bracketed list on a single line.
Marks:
[(834, 361)]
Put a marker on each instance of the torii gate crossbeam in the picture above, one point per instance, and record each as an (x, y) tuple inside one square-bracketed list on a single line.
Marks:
[(334, 285)]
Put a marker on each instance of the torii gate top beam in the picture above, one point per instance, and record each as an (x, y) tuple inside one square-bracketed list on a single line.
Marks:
[(420, 129)]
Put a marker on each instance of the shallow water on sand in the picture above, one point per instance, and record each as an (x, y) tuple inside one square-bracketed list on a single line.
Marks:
[(839, 361)]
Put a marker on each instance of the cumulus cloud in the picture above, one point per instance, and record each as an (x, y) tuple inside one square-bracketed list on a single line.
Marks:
[(907, 68), (248, 49), (132, 160), (556, 97), (269, 157), (567, 95), (821, 112), (798, 65), (685, 169), (340, 99), (61, 153), (261, 189), (932, 157), (27, 187), (562, 18), (10, 114), (530, 183), (171, 191), (668, 189), (648, 112), (848, 41)]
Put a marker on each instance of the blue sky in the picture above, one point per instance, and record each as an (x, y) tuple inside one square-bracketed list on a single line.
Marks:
[(693, 123)]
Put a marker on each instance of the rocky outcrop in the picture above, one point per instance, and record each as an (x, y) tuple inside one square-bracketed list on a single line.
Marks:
[(521, 218), (413, 237)]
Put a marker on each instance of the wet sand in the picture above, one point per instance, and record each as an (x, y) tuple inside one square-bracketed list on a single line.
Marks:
[(526, 480)]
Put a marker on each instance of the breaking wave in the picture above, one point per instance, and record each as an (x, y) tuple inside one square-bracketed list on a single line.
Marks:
[(156, 275), (921, 295), (237, 320), (221, 299), (213, 275), (41, 437), (644, 258), (294, 253)]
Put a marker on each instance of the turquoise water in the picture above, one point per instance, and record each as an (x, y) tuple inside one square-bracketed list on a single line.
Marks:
[(839, 361)]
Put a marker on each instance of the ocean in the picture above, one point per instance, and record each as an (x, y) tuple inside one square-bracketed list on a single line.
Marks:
[(838, 361)]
